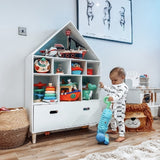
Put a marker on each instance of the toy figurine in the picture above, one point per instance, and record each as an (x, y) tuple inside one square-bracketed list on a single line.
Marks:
[(60, 48), (59, 69), (102, 136), (51, 52), (88, 91)]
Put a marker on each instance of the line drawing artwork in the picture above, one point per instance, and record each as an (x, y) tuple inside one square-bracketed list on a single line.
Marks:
[(90, 14), (107, 13), (106, 19), (122, 17)]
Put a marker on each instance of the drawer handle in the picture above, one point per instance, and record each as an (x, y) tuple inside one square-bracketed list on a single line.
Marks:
[(53, 112), (86, 108)]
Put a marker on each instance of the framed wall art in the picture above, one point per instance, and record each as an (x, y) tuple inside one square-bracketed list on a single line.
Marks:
[(105, 19)]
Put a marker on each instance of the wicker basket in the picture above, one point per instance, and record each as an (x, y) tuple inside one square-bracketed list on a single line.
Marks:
[(14, 126)]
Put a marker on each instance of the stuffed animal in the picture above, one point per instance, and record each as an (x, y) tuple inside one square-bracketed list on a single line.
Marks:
[(138, 118)]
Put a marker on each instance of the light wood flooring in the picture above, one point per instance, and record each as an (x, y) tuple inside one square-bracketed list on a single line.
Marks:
[(73, 145)]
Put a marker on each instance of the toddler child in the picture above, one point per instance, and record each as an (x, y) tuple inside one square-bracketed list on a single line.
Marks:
[(117, 95)]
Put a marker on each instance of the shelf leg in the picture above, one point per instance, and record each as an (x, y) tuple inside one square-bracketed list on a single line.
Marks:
[(34, 138)]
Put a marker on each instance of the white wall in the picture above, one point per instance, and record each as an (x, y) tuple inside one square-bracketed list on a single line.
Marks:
[(43, 17)]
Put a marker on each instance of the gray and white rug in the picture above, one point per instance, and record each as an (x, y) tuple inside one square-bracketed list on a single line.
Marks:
[(149, 150)]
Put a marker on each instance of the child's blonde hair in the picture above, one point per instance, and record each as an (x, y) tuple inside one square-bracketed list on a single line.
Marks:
[(119, 70)]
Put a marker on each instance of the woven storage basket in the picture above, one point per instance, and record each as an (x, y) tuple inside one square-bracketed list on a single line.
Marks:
[(13, 127)]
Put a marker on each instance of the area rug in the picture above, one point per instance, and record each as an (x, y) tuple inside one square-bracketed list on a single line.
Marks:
[(149, 150)]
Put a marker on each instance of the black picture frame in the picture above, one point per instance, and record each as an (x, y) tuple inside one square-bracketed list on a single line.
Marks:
[(105, 19)]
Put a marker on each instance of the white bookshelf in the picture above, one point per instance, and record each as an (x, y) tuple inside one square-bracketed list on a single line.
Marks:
[(62, 115)]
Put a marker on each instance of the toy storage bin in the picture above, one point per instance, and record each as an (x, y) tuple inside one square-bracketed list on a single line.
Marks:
[(14, 126)]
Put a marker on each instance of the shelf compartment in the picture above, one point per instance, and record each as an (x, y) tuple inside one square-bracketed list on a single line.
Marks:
[(78, 67), (40, 93), (61, 66), (70, 88), (93, 68), (90, 87), (42, 65)]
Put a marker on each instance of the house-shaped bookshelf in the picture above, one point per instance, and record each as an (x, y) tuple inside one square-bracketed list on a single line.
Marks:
[(61, 89)]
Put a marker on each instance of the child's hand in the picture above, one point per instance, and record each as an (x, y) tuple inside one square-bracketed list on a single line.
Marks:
[(110, 99), (101, 85)]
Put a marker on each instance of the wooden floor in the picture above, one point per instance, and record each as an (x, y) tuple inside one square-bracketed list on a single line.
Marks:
[(73, 145)]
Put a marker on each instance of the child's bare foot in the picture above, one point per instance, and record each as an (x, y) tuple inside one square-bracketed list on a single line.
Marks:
[(112, 132), (120, 139)]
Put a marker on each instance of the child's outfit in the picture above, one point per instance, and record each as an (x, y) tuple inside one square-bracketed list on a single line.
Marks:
[(119, 94)]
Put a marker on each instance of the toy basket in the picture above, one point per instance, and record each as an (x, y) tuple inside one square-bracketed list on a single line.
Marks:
[(14, 126)]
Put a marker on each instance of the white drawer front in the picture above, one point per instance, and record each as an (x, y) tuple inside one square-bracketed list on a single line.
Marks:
[(65, 115), (88, 113)]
